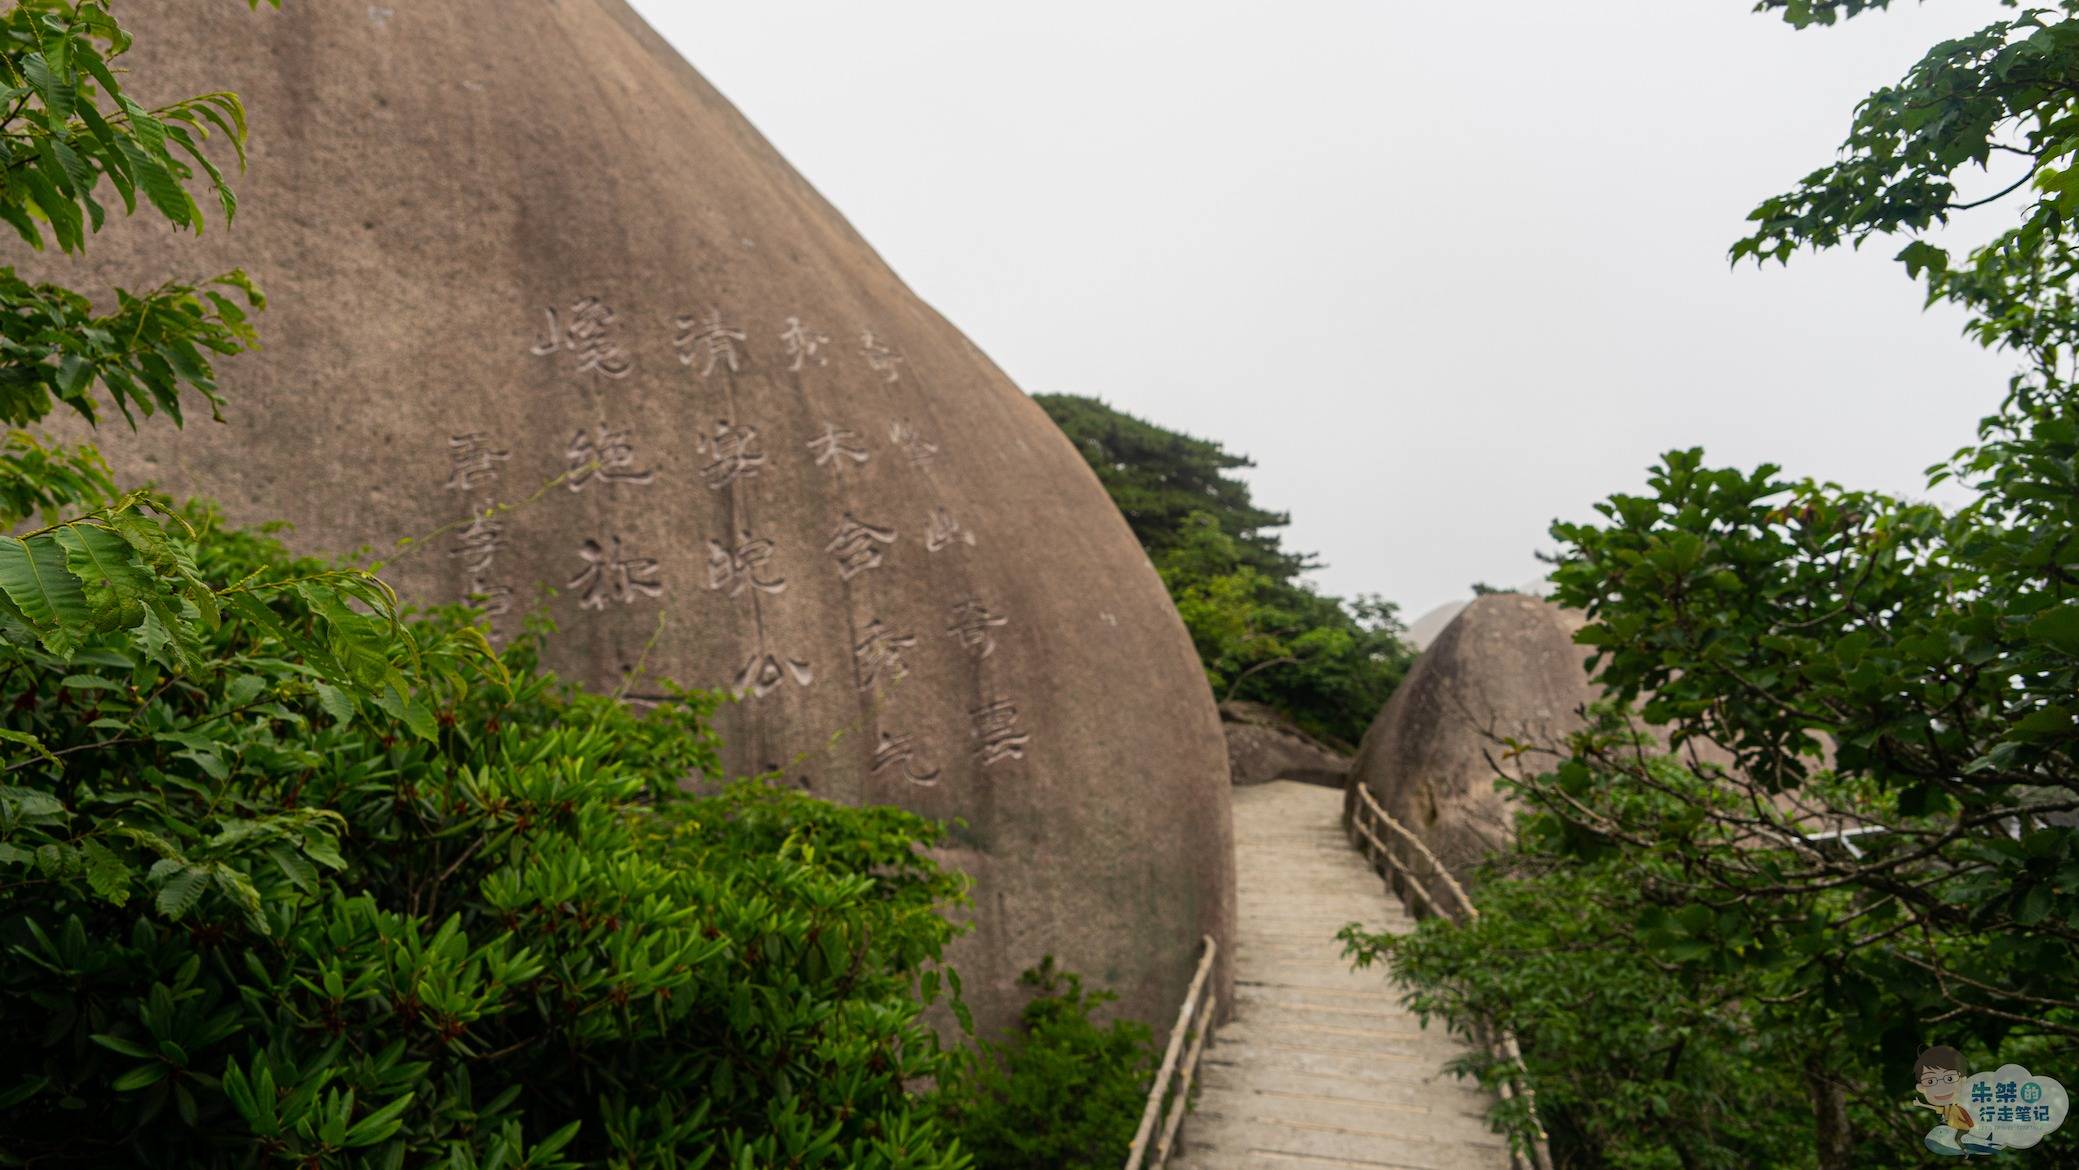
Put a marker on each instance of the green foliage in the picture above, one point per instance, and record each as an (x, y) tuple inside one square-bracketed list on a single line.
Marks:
[(1160, 480), (1643, 1010), (69, 127), (290, 877), (1994, 100), (1262, 634), (1867, 838), (1869, 665), (1065, 1094), (1805, 13), (246, 924)]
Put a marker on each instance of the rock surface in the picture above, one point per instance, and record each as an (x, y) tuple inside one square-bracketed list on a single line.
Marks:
[(1263, 745), (1505, 667), (521, 253)]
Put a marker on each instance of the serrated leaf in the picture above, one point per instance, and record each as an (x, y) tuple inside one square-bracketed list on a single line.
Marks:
[(28, 741), (295, 866), (182, 891), (244, 689), (114, 581), (335, 703), (35, 579), (239, 889), (107, 873)]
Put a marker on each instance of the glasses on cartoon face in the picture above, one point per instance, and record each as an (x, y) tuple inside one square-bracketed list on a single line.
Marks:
[(1935, 1080)]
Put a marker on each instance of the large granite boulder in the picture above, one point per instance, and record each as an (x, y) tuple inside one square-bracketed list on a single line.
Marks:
[(521, 253), (1506, 667), (1263, 746)]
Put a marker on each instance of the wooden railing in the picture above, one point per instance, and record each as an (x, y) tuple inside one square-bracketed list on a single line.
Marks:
[(1360, 813), (1195, 1021)]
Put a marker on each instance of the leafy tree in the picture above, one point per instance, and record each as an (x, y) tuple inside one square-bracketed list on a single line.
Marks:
[(1160, 479), (1866, 834), (289, 876), (1262, 634)]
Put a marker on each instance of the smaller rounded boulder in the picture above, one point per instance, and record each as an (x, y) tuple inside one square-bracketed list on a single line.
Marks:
[(1506, 667)]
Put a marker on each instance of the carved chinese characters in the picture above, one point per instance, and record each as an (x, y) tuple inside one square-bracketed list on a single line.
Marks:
[(836, 446), (611, 575), (942, 531), (708, 341), (856, 546), (669, 372), (748, 566), (587, 330), (803, 345), (971, 624), (473, 468), (880, 653), (733, 453), (997, 733), (901, 750), (605, 454), (735, 567)]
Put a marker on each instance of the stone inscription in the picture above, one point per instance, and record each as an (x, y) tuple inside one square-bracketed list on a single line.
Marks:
[(971, 623), (879, 358), (605, 454), (835, 447), (735, 567), (764, 674), (473, 464), (942, 531), (856, 546), (879, 654), (587, 331), (997, 733), (912, 443), (733, 453), (708, 341), (612, 575), (902, 749), (804, 345)]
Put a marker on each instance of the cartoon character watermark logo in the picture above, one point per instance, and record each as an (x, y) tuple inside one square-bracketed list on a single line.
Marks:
[(2008, 1109)]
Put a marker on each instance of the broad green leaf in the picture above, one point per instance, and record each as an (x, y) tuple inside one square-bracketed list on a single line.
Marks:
[(141, 1077), (8, 735), (182, 891), (116, 583), (108, 874), (35, 579)]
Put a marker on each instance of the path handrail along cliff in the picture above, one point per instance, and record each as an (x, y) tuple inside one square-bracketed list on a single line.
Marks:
[(1194, 1019), (1359, 806)]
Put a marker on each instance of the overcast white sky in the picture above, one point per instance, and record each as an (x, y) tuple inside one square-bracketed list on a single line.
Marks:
[(1446, 271)]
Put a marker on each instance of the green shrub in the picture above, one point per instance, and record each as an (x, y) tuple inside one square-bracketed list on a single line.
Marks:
[(1065, 1093), (1621, 1048), (243, 923)]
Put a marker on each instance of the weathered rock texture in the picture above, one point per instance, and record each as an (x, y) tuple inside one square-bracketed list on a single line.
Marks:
[(1506, 667), (515, 240), (1263, 745)]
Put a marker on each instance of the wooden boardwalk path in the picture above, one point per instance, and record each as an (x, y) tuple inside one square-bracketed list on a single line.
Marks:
[(1320, 1067)]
